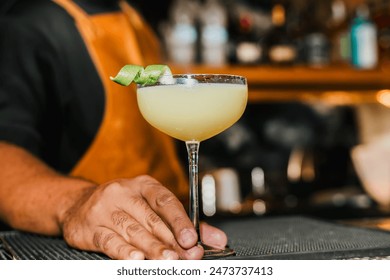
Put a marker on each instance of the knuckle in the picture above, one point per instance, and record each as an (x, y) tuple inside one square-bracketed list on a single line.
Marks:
[(119, 218), (179, 220), (156, 249), (137, 202), (112, 188), (166, 199), (153, 220), (133, 230), (97, 237), (102, 240), (107, 240), (125, 251), (145, 179), (122, 250)]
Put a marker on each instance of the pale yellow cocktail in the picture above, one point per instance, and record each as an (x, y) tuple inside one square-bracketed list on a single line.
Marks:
[(192, 112)]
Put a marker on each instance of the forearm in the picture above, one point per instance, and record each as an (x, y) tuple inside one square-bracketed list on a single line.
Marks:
[(33, 197)]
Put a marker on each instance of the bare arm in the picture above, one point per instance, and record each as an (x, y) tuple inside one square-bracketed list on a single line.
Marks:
[(125, 219), (33, 197)]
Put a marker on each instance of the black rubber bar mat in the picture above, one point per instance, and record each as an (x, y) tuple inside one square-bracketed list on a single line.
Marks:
[(304, 238), (288, 237), (26, 246)]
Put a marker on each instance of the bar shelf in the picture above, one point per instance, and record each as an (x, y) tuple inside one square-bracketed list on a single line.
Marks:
[(336, 84)]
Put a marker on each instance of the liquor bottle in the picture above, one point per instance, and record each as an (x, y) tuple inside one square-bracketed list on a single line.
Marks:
[(249, 22), (298, 27), (316, 45), (279, 46), (247, 49), (338, 33), (381, 18), (214, 35), (181, 34), (364, 45)]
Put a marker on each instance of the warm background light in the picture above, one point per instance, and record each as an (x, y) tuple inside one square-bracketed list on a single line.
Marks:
[(383, 97)]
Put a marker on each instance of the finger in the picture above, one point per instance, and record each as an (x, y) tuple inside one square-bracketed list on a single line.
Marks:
[(138, 236), (213, 236), (114, 246), (170, 209), (138, 209), (194, 253), (160, 230)]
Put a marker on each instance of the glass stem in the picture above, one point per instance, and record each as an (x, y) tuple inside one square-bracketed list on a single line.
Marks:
[(193, 154)]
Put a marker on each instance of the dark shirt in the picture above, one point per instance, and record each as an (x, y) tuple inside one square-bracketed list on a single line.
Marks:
[(51, 97)]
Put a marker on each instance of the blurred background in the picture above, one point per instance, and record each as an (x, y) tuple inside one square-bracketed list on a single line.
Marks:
[(314, 138), (319, 91)]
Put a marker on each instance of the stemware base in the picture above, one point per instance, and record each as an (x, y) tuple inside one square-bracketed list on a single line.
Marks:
[(216, 253)]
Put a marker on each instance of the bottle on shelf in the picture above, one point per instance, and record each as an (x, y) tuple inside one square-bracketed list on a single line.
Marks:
[(247, 49), (298, 27), (316, 44), (279, 45), (214, 35), (338, 33), (364, 44), (381, 18), (248, 23), (180, 33)]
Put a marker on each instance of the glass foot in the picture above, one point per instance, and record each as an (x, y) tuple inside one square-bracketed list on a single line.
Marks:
[(215, 253)]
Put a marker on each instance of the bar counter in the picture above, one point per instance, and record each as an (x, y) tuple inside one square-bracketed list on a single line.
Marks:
[(292, 237)]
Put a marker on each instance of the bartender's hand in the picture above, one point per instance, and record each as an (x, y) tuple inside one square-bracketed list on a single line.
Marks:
[(136, 219)]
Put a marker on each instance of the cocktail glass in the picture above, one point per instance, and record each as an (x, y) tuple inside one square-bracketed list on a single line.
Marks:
[(193, 108)]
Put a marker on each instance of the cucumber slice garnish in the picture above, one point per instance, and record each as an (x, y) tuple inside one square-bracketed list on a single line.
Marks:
[(137, 74)]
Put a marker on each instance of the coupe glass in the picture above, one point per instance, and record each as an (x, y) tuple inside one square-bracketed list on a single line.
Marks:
[(193, 108)]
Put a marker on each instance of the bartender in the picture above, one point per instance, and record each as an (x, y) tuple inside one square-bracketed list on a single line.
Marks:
[(77, 158)]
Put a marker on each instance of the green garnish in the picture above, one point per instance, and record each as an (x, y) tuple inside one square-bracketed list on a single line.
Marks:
[(137, 74)]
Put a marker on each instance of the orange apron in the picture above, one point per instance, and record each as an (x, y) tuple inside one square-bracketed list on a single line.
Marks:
[(125, 144)]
